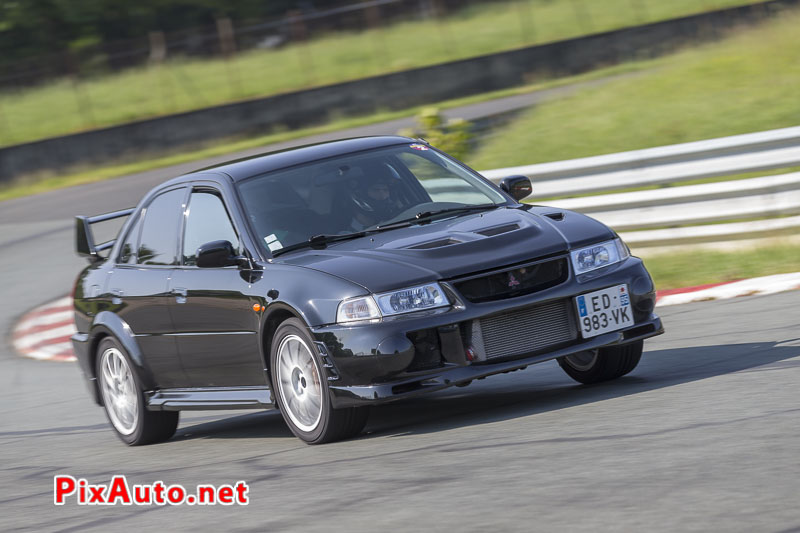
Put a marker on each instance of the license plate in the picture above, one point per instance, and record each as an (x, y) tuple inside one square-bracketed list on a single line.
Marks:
[(604, 310)]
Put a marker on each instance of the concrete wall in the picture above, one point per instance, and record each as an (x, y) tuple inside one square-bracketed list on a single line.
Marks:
[(390, 91)]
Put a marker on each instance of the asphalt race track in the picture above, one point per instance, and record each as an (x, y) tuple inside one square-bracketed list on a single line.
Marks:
[(703, 435)]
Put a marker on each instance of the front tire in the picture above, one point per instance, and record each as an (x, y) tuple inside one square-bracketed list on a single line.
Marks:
[(301, 389), (123, 399), (603, 364)]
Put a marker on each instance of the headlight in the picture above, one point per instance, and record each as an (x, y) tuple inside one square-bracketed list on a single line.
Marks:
[(417, 298), (598, 255), (363, 308)]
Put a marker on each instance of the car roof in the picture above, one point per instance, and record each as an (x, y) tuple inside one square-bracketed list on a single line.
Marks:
[(252, 166)]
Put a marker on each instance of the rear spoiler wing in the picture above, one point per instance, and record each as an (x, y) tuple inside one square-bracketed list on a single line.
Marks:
[(84, 238)]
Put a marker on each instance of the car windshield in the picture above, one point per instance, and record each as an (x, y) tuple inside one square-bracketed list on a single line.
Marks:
[(360, 191)]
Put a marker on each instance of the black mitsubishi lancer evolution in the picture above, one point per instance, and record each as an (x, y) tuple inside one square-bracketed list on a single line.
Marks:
[(325, 279)]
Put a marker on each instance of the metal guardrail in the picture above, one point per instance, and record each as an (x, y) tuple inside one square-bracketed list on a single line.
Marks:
[(721, 210)]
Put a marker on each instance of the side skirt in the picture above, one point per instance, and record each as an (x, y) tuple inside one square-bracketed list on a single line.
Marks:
[(209, 398)]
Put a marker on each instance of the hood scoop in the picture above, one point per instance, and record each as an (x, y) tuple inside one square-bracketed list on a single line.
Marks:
[(557, 216), (435, 244), (497, 230), (466, 236)]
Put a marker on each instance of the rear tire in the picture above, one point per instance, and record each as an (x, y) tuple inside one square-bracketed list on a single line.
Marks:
[(123, 399), (604, 364), (301, 389)]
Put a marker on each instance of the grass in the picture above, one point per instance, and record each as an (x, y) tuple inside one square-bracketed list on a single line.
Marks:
[(38, 183), (68, 105), (748, 82), (688, 269)]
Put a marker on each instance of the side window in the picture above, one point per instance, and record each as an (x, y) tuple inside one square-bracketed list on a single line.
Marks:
[(206, 220), (127, 253), (160, 229)]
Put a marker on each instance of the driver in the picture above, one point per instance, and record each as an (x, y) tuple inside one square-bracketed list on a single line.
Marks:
[(378, 202)]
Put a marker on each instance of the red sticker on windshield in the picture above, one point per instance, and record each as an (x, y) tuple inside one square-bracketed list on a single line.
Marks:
[(417, 146)]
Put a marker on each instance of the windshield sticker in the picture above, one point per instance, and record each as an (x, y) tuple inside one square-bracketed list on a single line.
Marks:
[(417, 146), (272, 242)]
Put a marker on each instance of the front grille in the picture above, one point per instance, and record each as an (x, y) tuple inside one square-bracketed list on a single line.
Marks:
[(518, 281), (523, 331)]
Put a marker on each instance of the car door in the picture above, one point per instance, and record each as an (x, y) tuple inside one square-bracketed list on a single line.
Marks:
[(216, 326), (139, 284)]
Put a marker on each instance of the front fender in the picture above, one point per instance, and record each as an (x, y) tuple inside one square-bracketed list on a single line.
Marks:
[(310, 294)]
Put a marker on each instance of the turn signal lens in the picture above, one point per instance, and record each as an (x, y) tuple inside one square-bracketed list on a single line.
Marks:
[(357, 309)]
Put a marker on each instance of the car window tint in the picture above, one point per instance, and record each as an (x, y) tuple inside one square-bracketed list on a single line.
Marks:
[(206, 220), (354, 191), (127, 252), (159, 240), (440, 182)]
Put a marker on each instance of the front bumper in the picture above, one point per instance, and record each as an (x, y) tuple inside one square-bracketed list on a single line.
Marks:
[(379, 362), (451, 374)]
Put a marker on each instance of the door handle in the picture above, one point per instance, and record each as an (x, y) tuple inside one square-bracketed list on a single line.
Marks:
[(180, 294)]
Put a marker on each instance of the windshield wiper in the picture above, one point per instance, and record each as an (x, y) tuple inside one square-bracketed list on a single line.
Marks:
[(424, 216), (319, 242)]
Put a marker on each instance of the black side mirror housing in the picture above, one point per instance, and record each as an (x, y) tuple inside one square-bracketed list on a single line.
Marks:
[(216, 254), (518, 187)]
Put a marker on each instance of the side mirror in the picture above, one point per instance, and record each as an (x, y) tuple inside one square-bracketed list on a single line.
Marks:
[(217, 254), (517, 186)]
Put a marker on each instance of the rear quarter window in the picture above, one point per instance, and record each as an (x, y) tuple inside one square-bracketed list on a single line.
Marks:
[(159, 241), (127, 252)]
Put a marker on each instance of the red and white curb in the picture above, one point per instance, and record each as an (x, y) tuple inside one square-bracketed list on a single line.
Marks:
[(44, 332), (732, 289)]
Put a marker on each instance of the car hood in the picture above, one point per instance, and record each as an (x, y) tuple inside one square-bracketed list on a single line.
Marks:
[(453, 247)]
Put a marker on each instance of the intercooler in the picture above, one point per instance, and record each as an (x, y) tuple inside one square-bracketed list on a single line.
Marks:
[(522, 331)]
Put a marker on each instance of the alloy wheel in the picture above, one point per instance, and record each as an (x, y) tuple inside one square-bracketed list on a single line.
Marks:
[(119, 391), (299, 383)]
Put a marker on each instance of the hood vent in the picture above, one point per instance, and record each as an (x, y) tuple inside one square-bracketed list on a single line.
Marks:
[(558, 216), (434, 244), (497, 230)]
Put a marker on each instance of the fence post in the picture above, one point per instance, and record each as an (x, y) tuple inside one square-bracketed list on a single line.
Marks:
[(158, 47), (83, 100), (582, 15), (640, 10), (440, 14), (227, 45), (372, 14), (158, 54), (299, 33), (426, 10), (5, 133), (526, 21)]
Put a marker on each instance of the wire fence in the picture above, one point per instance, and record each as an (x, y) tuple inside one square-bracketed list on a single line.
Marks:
[(163, 73)]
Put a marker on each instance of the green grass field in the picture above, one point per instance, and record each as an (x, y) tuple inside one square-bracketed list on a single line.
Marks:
[(40, 182), (692, 268), (748, 82), (181, 84)]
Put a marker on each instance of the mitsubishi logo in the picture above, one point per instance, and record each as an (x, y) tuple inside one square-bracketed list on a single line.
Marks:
[(512, 281)]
